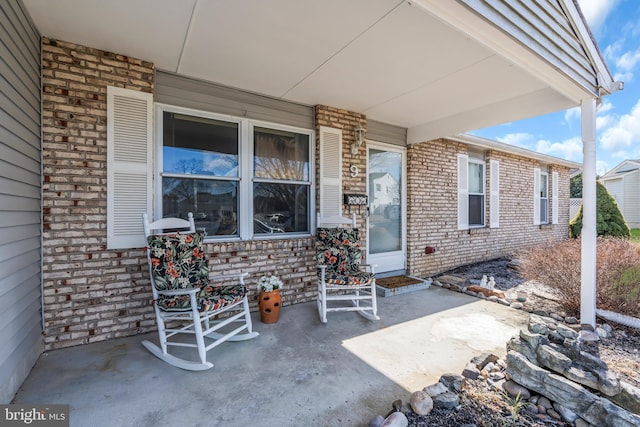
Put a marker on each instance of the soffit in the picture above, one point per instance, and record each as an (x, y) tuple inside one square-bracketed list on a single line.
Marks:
[(391, 60)]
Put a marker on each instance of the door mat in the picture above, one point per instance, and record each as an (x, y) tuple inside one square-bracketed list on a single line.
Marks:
[(395, 285)]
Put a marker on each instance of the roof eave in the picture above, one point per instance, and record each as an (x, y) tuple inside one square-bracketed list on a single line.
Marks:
[(477, 141), (606, 84)]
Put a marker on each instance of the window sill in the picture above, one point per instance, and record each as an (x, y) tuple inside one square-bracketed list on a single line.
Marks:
[(478, 230), (545, 226)]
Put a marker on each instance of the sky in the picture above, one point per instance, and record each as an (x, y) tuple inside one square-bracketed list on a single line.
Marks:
[(615, 25)]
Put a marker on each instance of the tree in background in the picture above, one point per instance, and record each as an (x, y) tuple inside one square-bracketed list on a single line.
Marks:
[(609, 219), (575, 187)]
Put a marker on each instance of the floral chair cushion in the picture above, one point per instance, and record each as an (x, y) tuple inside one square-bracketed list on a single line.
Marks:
[(178, 262), (339, 249)]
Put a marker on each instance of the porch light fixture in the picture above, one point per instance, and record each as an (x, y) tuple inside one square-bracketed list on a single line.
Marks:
[(358, 133)]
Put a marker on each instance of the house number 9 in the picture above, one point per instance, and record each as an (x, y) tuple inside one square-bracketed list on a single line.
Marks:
[(354, 171)]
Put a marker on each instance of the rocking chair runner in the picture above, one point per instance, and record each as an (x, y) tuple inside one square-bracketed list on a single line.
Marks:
[(341, 276), (185, 294)]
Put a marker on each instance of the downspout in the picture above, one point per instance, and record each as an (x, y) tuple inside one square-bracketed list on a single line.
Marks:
[(589, 231)]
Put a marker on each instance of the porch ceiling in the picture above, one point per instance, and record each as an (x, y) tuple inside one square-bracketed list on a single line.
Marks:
[(395, 61)]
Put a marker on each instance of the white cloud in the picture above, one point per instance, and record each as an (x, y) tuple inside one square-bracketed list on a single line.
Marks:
[(569, 149), (572, 114), (603, 122), (518, 139), (602, 167), (596, 11), (626, 64), (622, 139), (612, 51), (628, 60), (604, 107)]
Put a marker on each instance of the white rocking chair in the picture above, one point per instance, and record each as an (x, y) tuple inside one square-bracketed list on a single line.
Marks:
[(341, 277), (186, 298)]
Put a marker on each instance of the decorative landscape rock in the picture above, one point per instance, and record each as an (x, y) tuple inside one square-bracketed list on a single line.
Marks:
[(487, 292), (562, 371), (470, 371), (448, 400), (396, 419), (514, 389), (590, 407), (452, 381), (435, 389), (547, 366), (421, 403)]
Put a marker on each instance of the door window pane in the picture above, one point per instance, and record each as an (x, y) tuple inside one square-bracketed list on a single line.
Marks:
[(385, 202)]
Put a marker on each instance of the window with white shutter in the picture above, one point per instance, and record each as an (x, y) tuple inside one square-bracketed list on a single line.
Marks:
[(330, 171), (554, 198), (494, 177), (129, 166), (536, 196), (463, 192)]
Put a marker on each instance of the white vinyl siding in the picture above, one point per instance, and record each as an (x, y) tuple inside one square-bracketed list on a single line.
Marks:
[(463, 192), (494, 177), (20, 199), (129, 167), (330, 171)]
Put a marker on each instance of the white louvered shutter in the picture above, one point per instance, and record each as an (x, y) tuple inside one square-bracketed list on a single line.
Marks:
[(554, 198), (463, 192), (494, 189), (536, 196), (129, 166), (330, 171)]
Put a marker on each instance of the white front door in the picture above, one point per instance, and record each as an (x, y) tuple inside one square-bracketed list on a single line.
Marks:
[(386, 243)]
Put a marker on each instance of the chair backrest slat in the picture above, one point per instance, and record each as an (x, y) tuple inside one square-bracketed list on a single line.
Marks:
[(168, 225)]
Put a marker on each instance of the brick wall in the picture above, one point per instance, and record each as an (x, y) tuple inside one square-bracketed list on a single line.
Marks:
[(346, 121), (432, 209), (90, 293), (93, 294)]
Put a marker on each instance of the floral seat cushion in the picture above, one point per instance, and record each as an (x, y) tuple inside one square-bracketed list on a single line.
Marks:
[(355, 279), (339, 249), (178, 262)]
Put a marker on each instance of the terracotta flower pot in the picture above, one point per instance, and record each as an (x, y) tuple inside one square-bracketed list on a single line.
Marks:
[(269, 304)]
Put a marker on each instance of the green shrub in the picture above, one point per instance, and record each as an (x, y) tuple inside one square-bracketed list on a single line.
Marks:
[(617, 273), (609, 219)]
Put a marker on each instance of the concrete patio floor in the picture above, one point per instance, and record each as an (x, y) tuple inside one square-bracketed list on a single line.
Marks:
[(298, 372)]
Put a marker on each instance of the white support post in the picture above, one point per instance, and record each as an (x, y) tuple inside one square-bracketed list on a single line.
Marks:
[(589, 231)]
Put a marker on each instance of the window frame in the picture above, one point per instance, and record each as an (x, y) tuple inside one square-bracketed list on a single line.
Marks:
[(473, 160), (544, 175), (245, 178)]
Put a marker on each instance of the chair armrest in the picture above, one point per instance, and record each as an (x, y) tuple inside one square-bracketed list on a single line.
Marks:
[(370, 267), (180, 291), (215, 276)]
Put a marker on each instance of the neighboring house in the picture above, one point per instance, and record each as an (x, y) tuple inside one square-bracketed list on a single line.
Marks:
[(623, 182), (244, 114)]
